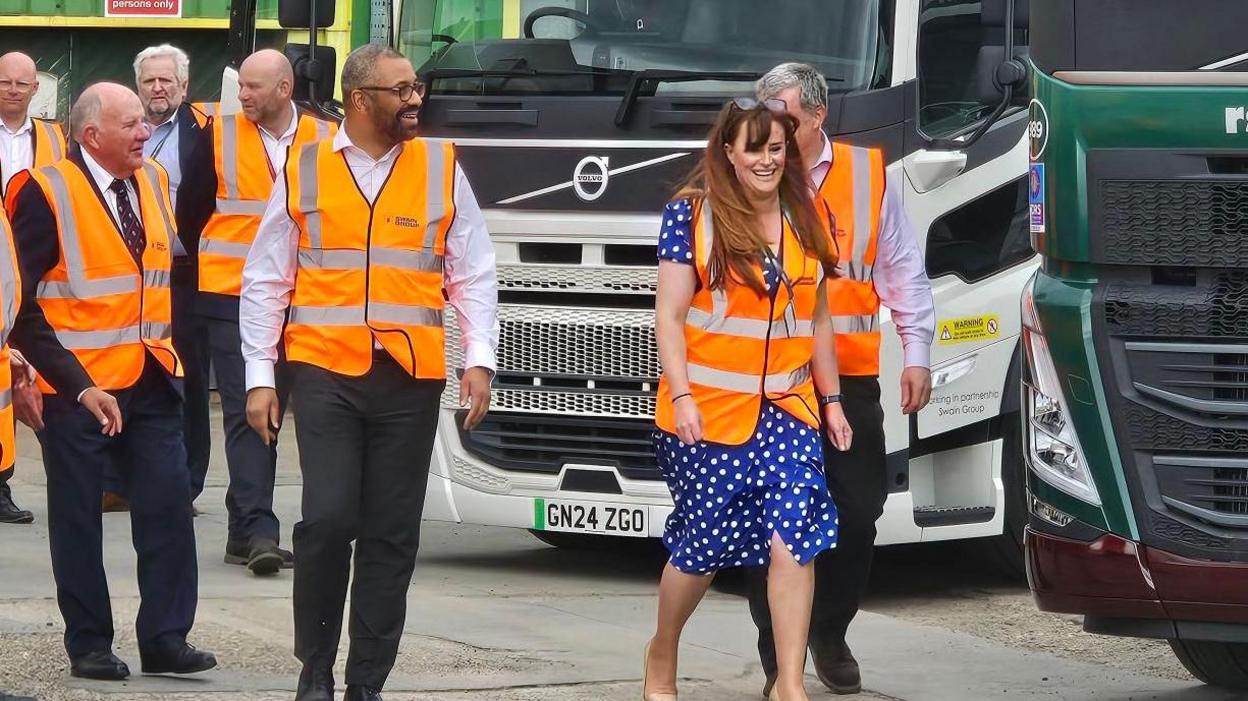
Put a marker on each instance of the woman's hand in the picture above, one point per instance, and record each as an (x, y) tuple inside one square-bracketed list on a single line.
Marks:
[(837, 426), (688, 420)]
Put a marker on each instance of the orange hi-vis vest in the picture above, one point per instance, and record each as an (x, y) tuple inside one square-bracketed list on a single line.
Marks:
[(370, 272), (244, 181), (741, 346), (853, 191), (49, 143), (10, 302), (206, 112), (103, 307)]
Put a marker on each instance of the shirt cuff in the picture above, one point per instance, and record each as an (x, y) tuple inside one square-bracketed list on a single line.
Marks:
[(918, 354), (260, 374), (480, 355)]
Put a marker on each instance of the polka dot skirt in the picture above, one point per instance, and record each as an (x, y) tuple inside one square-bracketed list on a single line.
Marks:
[(730, 499)]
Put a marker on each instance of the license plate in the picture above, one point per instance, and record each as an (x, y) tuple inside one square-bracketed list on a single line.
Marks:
[(590, 517)]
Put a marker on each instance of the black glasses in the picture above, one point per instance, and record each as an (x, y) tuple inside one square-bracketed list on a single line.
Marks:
[(403, 92), (771, 104)]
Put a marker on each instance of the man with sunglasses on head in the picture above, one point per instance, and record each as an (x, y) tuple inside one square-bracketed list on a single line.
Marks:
[(249, 150), (361, 236), (880, 263)]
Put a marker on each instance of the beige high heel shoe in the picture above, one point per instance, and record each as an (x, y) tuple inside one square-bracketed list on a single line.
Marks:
[(645, 677)]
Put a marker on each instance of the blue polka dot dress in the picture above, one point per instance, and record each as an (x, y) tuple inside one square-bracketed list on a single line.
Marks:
[(730, 499)]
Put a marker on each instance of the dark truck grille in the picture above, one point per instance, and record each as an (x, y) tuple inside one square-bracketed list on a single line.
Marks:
[(1175, 358), (537, 443), (1188, 223)]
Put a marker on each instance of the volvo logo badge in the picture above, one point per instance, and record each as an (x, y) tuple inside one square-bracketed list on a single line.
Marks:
[(590, 177)]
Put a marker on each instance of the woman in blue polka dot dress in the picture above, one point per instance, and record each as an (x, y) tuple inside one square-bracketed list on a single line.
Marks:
[(749, 381)]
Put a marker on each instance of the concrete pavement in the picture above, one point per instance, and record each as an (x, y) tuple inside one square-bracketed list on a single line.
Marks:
[(494, 615)]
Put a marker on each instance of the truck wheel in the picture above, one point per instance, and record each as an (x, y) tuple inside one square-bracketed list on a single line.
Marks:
[(1005, 551), (1217, 664)]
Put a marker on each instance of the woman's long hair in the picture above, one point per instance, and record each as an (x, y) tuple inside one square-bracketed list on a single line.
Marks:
[(739, 244)]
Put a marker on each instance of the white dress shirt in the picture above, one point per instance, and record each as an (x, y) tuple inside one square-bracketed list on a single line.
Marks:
[(900, 276), (269, 274), (17, 149), (276, 145), (104, 180)]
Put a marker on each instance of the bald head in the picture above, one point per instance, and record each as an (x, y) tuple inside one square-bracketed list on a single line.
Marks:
[(265, 84), (19, 80), (107, 120)]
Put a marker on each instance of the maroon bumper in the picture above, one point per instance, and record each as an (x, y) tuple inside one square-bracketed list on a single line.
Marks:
[(1117, 578)]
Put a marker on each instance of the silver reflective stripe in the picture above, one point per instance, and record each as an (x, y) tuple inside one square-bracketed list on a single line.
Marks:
[(308, 173), (706, 229), (327, 316), (78, 285), (417, 261), (8, 282), (322, 129), (55, 289), (229, 156), (750, 328), (156, 278), (69, 225), (254, 208), (862, 212), (6, 399), (49, 133), (434, 203), (228, 249), (844, 323), (153, 179), (157, 330), (210, 108), (317, 258), (860, 272), (745, 383), (406, 314), (97, 340)]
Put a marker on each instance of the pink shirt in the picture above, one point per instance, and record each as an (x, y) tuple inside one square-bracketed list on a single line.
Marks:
[(900, 277)]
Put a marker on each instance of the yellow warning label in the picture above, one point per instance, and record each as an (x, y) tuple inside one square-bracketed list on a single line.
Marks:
[(968, 328)]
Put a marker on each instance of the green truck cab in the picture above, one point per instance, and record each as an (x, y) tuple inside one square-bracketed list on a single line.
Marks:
[(1135, 387)]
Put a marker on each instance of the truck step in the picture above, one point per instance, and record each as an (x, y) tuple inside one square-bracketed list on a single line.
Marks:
[(931, 516)]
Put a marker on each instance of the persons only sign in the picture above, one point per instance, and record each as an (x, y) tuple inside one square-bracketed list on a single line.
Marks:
[(142, 8)]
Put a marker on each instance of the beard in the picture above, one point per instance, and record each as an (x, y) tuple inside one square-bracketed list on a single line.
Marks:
[(157, 116), (393, 126)]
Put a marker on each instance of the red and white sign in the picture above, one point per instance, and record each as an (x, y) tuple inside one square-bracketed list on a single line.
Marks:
[(142, 8)]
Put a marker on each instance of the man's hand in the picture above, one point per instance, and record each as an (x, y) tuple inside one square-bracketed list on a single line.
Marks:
[(27, 399), (474, 387), (916, 389), (264, 413), (104, 407)]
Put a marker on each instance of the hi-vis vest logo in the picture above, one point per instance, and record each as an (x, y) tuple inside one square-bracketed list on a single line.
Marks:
[(409, 222), (1236, 122), (968, 329)]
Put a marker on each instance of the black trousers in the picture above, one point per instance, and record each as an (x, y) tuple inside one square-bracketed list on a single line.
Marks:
[(364, 446), (252, 464), (858, 480), (150, 458), (190, 339)]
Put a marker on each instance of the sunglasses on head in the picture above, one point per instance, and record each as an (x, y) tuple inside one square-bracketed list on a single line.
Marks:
[(771, 104)]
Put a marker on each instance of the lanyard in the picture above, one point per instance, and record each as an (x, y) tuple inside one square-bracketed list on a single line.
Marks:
[(161, 144)]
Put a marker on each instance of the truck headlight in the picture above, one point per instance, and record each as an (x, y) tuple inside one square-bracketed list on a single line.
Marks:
[(1053, 449)]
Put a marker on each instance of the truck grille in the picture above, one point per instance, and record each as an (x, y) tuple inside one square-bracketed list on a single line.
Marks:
[(528, 443), (1189, 223)]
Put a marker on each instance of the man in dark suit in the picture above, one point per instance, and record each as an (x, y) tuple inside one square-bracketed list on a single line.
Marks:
[(95, 321), (182, 143)]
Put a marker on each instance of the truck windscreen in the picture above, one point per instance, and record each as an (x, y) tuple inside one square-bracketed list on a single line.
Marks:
[(595, 46)]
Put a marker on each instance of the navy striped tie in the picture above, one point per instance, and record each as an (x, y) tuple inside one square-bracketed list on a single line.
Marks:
[(131, 228)]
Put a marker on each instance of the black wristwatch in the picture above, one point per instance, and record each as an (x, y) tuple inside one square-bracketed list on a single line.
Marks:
[(829, 399)]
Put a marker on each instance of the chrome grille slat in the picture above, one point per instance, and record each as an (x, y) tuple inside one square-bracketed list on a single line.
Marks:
[(577, 278)]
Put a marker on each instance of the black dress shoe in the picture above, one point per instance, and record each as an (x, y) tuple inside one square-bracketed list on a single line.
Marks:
[(288, 559), (264, 558), (361, 693), (179, 659), (837, 669), (11, 512), (315, 684), (104, 666)]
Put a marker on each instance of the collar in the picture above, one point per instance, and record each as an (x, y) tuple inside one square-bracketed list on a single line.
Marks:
[(290, 129), (26, 127), (103, 179), (342, 141), (825, 154), (172, 119)]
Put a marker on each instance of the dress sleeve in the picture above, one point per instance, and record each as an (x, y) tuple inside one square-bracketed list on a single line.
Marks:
[(675, 240)]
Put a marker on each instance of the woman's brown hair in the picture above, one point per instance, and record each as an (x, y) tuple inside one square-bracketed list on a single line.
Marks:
[(738, 244)]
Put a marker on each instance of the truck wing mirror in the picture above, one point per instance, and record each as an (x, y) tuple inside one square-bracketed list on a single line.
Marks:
[(314, 72)]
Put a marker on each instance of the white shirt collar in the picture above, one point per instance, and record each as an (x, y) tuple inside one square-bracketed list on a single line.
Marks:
[(343, 141), (26, 127), (825, 154), (290, 129), (173, 118), (103, 179)]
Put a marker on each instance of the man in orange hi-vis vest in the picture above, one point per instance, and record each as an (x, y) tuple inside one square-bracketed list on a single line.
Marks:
[(880, 263), (249, 149), (362, 235), (25, 142), (93, 234)]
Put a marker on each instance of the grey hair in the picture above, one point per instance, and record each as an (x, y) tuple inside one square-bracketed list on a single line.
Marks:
[(86, 111), (181, 62), (357, 71), (811, 85)]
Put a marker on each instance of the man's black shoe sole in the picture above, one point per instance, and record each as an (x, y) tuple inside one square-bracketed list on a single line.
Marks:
[(836, 688), (188, 670), (265, 563), (17, 519), (99, 677)]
